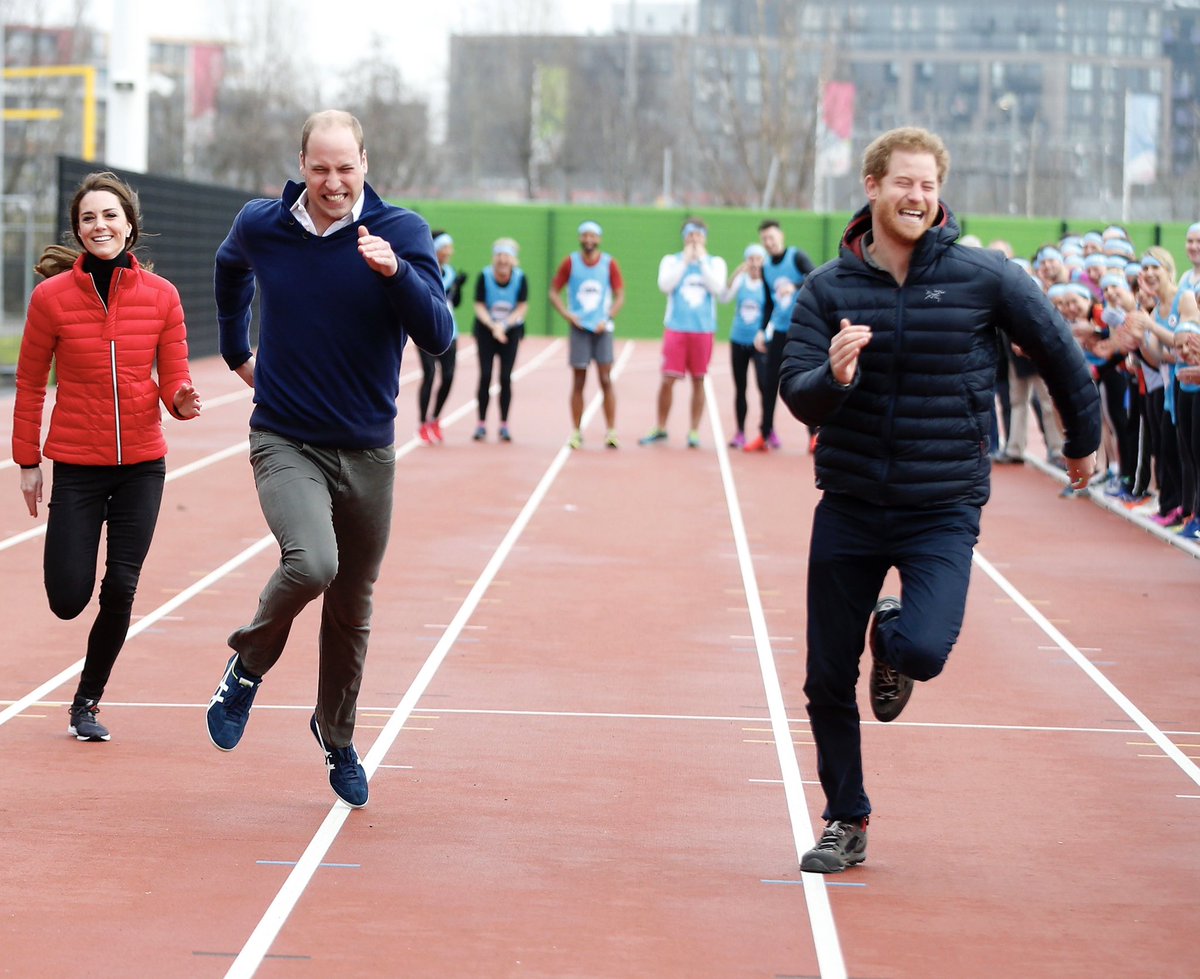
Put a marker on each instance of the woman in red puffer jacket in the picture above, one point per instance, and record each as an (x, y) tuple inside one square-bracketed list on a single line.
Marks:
[(107, 324)]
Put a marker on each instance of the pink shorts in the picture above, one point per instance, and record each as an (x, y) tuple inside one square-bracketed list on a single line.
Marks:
[(686, 353)]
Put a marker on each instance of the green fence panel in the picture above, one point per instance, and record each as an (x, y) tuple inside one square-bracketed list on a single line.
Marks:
[(1026, 235), (1172, 237), (638, 238)]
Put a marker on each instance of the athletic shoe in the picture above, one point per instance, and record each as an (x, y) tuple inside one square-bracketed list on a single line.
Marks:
[(738, 441), (480, 433), (889, 688), (773, 441), (84, 726), (611, 441), (347, 777), (425, 433), (230, 706), (1167, 519), (842, 845), (693, 439), (505, 435), (1069, 491), (435, 429), (576, 440), (757, 444), (1191, 529), (656, 435)]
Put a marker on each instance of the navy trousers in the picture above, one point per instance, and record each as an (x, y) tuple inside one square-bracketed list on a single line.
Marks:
[(854, 545)]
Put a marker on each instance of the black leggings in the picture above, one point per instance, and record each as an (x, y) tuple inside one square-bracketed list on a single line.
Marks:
[(741, 356), (82, 500), (774, 358), (1187, 427), (489, 349), (429, 363)]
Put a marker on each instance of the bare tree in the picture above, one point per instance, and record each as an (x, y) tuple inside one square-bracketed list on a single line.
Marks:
[(265, 96), (396, 123), (753, 107), (31, 42)]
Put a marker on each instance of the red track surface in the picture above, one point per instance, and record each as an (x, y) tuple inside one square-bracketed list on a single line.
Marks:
[(580, 777)]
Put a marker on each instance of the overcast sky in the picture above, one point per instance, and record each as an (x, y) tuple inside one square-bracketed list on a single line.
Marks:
[(416, 32)]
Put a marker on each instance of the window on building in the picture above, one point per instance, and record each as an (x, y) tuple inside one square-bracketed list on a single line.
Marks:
[(1081, 77)]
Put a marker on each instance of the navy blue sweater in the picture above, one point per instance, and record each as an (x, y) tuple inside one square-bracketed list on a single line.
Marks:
[(332, 331), (911, 430)]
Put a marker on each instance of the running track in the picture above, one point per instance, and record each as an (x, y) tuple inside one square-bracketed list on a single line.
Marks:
[(585, 730)]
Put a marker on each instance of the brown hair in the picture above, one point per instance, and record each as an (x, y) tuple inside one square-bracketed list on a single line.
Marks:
[(329, 118), (59, 258), (910, 138)]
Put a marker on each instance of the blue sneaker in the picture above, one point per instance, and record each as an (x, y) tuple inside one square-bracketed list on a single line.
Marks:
[(347, 777), (656, 435), (1191, 529), (230, 706)]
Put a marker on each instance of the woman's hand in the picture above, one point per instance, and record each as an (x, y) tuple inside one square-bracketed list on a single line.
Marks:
[(31, 488), (187, 402)]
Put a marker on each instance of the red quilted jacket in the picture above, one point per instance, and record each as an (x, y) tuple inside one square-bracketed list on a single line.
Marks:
[(106, 409)]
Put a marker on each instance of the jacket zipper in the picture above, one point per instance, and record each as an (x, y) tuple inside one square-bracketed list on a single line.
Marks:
[(112, 362), (894, 383)]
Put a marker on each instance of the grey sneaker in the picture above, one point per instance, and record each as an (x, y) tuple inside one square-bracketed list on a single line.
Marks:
[(84, 726), (889, 688), (842, 845)]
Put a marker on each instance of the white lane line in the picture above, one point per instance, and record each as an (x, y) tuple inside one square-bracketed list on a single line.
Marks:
[(267, 930), (830, 962), (240, 447), (1186, 765), (172, 475), (192, 590)]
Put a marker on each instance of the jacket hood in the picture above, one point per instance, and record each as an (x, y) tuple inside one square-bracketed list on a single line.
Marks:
[(944, 232)]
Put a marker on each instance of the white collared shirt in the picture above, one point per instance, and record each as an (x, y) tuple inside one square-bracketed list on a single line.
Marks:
[(306, 221)]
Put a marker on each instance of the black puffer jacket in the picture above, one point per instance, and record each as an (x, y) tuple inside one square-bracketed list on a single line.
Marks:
[(912, 429)]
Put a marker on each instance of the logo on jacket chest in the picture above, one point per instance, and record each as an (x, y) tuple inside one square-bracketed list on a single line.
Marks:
[(934, 295)]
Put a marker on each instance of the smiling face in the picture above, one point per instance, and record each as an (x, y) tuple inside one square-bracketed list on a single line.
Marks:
[(101, 225), (904, 201), (772, 240), (1193, 247), (1149, 280), (334, 169)]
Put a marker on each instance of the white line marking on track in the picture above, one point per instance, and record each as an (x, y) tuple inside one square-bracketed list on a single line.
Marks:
[(830, 961), (192, 590), (272, 921), (1186, 765)]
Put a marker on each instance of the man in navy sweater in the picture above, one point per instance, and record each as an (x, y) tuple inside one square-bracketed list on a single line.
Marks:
[(344, 280)]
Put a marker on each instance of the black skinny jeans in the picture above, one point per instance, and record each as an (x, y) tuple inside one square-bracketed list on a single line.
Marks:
[(83, 499)]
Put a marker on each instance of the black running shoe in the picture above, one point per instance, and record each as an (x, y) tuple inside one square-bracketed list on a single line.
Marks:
[(842, 845), (889, 688), (84, 726)]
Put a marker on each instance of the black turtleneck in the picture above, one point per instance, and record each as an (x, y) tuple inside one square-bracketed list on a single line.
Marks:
[(102, 269)]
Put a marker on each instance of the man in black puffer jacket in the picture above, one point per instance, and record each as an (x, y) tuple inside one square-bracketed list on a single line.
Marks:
[(892, 353)]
